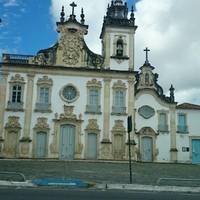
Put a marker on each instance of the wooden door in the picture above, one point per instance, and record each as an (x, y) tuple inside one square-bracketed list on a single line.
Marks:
[(118, 147), (195, 151), (92, 146), (147, 149), (41, 145), (67, 142), (12, 144)]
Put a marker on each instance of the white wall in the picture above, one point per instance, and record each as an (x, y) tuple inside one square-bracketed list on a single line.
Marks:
[(183, 140)]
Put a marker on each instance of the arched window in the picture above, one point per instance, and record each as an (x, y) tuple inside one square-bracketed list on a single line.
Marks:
[(146, 79), (119, 51)]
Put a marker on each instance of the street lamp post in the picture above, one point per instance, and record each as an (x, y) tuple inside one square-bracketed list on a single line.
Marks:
[(129, 123)]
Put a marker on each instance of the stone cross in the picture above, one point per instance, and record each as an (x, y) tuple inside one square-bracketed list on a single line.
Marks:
[(73, 5), (147, 56)]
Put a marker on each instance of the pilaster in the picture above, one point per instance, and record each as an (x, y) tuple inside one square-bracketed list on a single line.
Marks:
[(131, 110), (106, 143), (107, 50), (131, 102), (131, 52), (27, 117), (106, 111), (3, 88), (173, 149)]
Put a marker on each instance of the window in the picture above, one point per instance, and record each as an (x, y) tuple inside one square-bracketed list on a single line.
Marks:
[(43, 103), (182, 125), (119, 102), (162, 122), (119, 48), (44, 95), (16, 93), (119, 98), (93, 105), (70, 93)]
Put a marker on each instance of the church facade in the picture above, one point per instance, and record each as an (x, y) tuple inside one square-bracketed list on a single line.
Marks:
[(69, 103)]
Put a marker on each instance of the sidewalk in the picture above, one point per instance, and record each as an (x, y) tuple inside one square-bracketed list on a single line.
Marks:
[(108, 175)]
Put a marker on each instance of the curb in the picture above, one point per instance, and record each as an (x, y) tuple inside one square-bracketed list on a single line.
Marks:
[(17, 184), (148, 188)]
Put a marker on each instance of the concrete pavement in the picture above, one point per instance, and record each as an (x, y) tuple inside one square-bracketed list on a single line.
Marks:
[(109, 175)]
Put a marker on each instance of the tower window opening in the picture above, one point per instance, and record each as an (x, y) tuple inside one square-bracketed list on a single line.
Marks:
[(119, 51)]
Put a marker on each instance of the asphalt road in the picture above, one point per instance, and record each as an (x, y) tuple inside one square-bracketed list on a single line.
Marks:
[(63, 194)]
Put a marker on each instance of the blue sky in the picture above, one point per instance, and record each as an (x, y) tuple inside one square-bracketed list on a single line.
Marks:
[(27, 26)]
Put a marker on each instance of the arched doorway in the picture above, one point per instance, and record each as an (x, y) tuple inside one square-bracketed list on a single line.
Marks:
[(147, 145)]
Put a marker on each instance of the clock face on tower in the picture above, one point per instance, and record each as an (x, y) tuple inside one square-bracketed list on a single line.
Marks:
[(69, 93)]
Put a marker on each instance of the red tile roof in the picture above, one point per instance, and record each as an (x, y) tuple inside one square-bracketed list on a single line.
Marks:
[(188, 106)]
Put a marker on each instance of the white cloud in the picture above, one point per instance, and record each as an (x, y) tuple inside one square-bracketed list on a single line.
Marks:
[(94, 12), (169, 28), (9, 3)]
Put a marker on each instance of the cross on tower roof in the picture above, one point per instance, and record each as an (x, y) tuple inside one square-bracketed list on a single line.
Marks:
[(73, 5), (147, 55)]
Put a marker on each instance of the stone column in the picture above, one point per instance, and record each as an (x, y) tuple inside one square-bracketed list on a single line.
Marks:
[(3, 88), (106, 143), (173, 149), (27, 117)]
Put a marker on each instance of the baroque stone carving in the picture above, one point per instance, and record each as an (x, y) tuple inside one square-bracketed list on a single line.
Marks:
[(13, 123), (68, 113), (118, 127), (42, 124), (94, 83), (92, 125), (45, 81), (119, 85), (147, 131), (40, 59), (71, 44), (17, 79)]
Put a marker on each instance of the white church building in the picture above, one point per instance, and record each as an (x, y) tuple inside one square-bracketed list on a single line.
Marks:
[(67, 102)]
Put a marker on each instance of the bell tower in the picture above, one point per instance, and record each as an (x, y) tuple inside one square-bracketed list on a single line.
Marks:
[(118, 37)]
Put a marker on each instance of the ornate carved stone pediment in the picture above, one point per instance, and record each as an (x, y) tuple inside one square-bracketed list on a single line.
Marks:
[(45, 81), (118, 127), (71, 45), (94, 83), (42, 124), (68, 114), (147, 78), (17, 79), (13, 123), (147, 131), (119, 85), (92, 125)]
